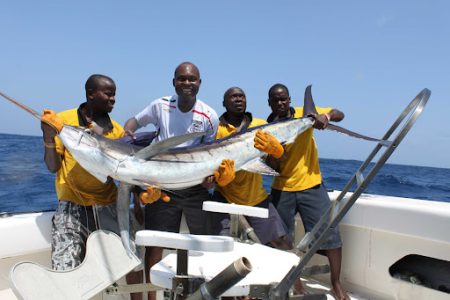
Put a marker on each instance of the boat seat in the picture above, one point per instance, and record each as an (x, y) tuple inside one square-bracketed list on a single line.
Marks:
[(205, 257), (106, 261), (239, 226), (269, 265), (180, 281), (259, 212), (236, 209), (184, 241)]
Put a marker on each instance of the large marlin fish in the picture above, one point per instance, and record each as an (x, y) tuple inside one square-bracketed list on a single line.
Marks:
[(166, 167), (169, 168)]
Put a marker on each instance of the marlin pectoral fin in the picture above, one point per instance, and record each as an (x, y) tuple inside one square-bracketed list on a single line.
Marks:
[(259, 166), (123, 215), (309, 107), (166, 144)]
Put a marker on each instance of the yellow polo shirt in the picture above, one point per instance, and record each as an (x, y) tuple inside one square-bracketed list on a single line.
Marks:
[(247, 188), (300, 170), (75, 184)]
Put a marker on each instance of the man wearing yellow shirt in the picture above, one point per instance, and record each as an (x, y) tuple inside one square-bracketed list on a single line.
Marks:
[(299, 186), (85, 203), (247, 188)]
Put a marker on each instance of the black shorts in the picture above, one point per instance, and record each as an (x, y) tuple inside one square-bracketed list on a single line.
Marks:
[(166, 216), (266, 229)]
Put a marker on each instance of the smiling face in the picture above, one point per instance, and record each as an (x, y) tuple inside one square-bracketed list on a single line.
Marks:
[(235, 101), (103, 96), (279, 102), (187, 81)]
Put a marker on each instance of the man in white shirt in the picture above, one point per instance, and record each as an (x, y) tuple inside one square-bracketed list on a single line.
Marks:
[(172, 116)]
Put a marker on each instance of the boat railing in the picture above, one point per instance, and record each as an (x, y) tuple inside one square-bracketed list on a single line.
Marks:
[(312, 240)]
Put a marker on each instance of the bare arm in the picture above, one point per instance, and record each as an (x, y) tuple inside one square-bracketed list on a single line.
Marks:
[(131, 126), (273, 162), (322, 120), (51, 157), (336, 115)]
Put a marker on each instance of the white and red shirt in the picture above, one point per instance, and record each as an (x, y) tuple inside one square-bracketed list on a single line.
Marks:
[(169, 121)]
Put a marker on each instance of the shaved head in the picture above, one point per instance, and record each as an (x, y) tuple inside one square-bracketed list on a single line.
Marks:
[(96, 81), (187, 82), (186, 65), (93, 82), (232, 90), (278, 86)]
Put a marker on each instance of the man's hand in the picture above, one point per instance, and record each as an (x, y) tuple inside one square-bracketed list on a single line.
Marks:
[(51, 124), (152, 195), (130, 133), (138, 213), (209, 182), (130, 127), (268, 143), (321, 121), (225, 174)]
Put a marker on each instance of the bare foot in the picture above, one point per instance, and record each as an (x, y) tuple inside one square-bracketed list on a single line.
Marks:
[(338, 292), (299, 289)]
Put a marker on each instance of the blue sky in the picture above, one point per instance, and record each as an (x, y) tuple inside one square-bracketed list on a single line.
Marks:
[(366, 58)]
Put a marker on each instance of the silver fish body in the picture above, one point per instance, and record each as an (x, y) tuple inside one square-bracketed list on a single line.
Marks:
[(176, 168)]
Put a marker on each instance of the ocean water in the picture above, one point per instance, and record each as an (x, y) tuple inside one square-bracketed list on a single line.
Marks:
[(26, 185)]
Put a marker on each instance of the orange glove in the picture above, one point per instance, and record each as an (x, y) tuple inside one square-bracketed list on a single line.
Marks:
[(266, 142), (225, 174), (152, 195), (165, 197), (50, 117)]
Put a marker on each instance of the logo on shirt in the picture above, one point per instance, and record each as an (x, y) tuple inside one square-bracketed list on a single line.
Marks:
[(196, 126)]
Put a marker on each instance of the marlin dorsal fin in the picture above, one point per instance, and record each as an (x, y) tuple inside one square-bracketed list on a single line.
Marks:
[(258, 165), (166, 144), (309, 107)]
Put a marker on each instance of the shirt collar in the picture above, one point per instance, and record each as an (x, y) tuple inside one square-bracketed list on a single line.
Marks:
[(272, 117), (105, 122), (248, 116)]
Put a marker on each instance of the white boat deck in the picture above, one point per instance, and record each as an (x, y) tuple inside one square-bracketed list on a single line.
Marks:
[(377, 232)]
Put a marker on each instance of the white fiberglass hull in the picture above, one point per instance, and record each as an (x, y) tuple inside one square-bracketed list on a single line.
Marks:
[(377, 232)]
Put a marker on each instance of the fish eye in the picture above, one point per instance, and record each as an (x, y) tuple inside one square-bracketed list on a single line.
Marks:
[(88, 131)]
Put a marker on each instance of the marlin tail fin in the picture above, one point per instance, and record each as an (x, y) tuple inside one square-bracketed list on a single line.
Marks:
[(310, 108)]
